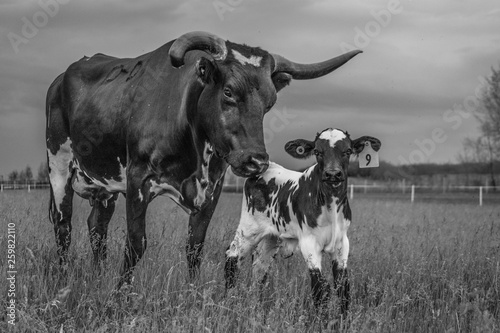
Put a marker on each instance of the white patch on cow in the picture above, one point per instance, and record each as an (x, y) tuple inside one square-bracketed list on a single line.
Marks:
[(308, 172), (311, 251), (207, 155), (81, 187), (251, 229), (332, 135), (60, 171), (169, 191), (288, 246), (165, 189), (341, 241), (141, 197), (200, 194), (111, 185), (253, 60), (202, 190), (280, 174), (233, 249)]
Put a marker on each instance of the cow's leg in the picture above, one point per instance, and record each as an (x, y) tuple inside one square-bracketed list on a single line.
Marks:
[(61, 197), (340, 274), (246, 238), (312, 255), (198, 225), (137, 200), (264, 256), (97, 222)]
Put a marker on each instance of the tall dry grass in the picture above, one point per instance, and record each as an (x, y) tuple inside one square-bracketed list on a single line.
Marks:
[(425, 267)]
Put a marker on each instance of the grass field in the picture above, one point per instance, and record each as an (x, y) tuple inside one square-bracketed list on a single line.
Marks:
[(426, 267)]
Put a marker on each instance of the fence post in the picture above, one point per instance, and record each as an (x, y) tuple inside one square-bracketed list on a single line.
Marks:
[(366, 185), (1, 188), (29, 188), (412, 193), (352, 192), (480, 195)]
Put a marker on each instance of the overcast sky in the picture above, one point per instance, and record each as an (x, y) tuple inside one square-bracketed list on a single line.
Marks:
[(421, 64)]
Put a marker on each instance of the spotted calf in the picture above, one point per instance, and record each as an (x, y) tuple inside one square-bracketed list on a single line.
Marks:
[(288, 210)]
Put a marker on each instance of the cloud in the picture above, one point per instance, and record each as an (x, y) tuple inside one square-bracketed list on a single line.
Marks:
[(424, 61)]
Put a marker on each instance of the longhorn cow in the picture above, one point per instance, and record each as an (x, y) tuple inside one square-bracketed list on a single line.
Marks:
[(168, 122)]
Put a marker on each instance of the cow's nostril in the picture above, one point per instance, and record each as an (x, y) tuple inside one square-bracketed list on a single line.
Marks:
[(333, 176), (252, 168), (258, 162), (257, 166)]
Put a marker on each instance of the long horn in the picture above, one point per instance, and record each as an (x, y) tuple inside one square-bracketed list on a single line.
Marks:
[(197, 40), (311, 71)]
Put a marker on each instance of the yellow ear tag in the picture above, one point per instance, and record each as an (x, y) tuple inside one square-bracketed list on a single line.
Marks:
[(368, 158)]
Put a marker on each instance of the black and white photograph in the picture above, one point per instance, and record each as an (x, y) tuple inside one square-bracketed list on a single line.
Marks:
[(250, 166)]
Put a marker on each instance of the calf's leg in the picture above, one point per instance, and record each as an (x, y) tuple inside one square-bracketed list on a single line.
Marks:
[(246, 238), (340, 274), (264, 256), (312, 255)]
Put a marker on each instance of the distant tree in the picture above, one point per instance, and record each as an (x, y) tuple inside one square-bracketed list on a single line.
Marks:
[(14, 176), (28, 174), (488, 116), (43, 173), (474, 151), (486, 148), (22, 177)]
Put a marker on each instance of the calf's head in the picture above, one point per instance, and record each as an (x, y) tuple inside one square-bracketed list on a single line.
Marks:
[(237, 86), (333, 148)]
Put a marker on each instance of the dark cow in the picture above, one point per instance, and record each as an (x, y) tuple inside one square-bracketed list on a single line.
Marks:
[(168, 122), (306, 210)]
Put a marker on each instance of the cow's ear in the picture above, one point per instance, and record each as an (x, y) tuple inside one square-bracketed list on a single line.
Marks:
[(281, 80), (359, 144), (205, 69), (299, 148)]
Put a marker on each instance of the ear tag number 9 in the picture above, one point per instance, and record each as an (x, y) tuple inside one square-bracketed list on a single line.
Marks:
[(368, 158)]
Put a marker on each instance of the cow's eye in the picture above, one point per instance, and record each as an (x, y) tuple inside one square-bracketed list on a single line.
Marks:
[(317, 152), (228, 93), (348, 152)]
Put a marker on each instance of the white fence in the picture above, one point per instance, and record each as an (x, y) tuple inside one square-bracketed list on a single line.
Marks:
[(411, 193), (24, 186), (415, 190)]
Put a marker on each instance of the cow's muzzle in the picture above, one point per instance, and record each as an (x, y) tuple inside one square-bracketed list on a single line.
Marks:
[(250, 165), (333, 178)]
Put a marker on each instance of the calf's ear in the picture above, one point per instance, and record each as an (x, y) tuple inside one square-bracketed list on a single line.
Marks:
[(205, 70), (299, 148), (359, 144)]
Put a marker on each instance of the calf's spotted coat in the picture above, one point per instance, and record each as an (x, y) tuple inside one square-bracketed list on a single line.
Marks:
[(308, 211)]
